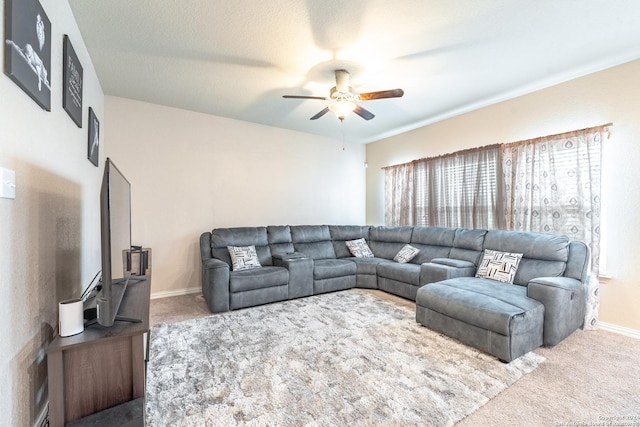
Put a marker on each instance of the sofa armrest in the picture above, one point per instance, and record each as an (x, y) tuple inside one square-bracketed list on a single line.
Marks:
[(445, 268), (205, 246), (215, 284), (564, 304)]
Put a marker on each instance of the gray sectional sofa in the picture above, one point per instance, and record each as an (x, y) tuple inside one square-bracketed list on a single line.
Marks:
[(544, 305)]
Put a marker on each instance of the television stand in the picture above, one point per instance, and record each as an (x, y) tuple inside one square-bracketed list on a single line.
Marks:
[(100, 368)]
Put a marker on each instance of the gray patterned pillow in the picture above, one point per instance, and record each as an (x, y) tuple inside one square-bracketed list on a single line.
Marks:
[(359, 248), (500, 266), (406, 254), (244, 257)]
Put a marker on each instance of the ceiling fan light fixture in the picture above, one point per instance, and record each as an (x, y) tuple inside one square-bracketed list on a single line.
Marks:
[(342, 108), (343, 100)]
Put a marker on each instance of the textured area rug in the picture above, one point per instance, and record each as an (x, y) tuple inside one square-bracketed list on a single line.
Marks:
[(345, 358)]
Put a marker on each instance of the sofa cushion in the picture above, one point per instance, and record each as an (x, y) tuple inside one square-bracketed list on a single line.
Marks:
[(433, 242), (313, 240), (367, 265), (543, 255), (484, 303), (359, 248), (386, 241), (221, 238), (467, 245), (279, 238), (316, 250), (329, 268), (406, 254), (500, 266), (471, 239), (243, 257), (265, 277), (407, 273), (239, 236), (278, 234), (310, 233), (549, 247), (342, 233)]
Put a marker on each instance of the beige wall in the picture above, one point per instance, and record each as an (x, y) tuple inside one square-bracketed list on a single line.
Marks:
[(50, 233), (613, 96), (192, 172)]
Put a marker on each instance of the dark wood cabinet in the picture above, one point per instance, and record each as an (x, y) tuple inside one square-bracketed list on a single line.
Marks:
[(101, 368)]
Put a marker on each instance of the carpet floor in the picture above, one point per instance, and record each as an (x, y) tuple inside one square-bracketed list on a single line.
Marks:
[(345, 358)]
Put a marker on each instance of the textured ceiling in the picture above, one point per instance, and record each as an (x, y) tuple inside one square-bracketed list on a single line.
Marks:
[(236, 58)]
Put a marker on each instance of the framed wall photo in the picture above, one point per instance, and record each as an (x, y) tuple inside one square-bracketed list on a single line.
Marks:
[(27, 51), (93, 144), (71, 82)]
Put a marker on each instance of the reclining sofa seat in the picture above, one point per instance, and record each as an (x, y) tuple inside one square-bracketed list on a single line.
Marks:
[(237, 289), (366, 276), (543, 306), (329, 273)]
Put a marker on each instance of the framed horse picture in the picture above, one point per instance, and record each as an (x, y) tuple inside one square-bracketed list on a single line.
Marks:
[(27, 54)]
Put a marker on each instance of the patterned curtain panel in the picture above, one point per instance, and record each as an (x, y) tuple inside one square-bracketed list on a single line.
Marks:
[(552, 185), (399, 195)]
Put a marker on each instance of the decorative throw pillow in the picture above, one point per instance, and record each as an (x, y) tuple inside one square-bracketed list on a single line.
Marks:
[(500, 266), (406, 254), (244, 257), (359, 248)]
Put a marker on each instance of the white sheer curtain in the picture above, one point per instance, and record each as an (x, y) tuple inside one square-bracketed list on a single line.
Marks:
[(552, 185), (399, 195)]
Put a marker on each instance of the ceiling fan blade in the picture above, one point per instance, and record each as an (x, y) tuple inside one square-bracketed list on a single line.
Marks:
[(304, 97), (365, 114), (320, 114), (393, 93)]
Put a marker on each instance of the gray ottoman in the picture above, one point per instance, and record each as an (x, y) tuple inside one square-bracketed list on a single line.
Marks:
[(491, 316)]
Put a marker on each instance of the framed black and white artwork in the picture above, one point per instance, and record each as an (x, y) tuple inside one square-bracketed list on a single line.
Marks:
[(27, 53), (93, 145), (71, 82)]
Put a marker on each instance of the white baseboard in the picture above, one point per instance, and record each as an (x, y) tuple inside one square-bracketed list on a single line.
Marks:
[(166, 294), (633, 333)]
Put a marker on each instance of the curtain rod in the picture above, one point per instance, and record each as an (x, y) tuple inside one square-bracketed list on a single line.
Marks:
[(485, 147), (455, 153), (563, 134)]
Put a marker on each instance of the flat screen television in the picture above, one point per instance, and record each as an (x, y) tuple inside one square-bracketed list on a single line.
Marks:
[(115, 225)]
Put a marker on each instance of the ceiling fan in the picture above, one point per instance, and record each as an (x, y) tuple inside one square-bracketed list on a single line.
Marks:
[(344, 101)]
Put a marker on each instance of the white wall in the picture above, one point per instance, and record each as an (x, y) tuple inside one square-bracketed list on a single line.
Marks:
[(192, 172), (612, 95), (50, 233)]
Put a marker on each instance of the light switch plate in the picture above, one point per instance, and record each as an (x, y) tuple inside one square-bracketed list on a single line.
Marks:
[(7, 184)]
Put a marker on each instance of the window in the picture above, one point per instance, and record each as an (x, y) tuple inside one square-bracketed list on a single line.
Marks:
[(458, 190), (549, 184)]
